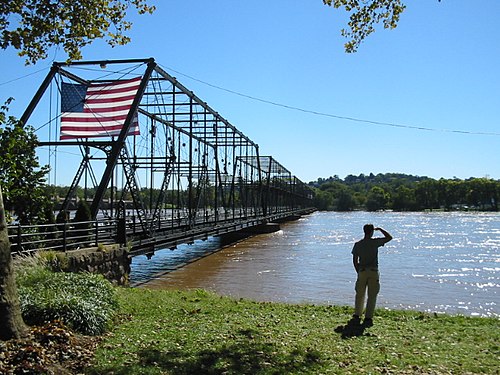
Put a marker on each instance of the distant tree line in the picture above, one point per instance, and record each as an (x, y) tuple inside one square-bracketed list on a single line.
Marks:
[(401, 192), (149, 197)]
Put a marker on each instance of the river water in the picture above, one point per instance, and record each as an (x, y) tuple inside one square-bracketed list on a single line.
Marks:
[(437, 262)]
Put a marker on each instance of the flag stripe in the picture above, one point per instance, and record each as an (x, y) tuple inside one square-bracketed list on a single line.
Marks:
[(82, 128), (115, 85), (114, 91), (89, 121), (104, 99), (103, 108), (95, 134), (83, 131), (86, 116)]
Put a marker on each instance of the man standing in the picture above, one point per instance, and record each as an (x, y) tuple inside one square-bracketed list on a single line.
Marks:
[(365, 260)]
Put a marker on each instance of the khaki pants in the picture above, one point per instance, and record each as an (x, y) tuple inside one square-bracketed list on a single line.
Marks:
[(367, 279)]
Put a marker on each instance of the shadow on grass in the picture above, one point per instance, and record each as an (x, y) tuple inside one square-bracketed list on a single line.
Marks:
[(245, 354), (351, 329)]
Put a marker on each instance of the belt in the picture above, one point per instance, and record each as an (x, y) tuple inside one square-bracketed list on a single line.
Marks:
[(368, 269)]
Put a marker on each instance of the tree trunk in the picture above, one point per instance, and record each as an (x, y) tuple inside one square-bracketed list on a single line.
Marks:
[(11, 321)]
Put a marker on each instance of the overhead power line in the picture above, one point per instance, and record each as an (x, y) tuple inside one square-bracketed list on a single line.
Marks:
[(22, 77), (316, 113), (324, 114)]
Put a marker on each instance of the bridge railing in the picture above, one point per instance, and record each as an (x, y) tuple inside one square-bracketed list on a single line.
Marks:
[(176, 227), (62, 236)]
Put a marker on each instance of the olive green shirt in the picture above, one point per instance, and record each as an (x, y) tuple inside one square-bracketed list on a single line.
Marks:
[(367, 251)]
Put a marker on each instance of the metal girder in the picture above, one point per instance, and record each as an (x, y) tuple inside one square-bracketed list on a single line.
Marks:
[(96, 144), (133, 188), (74, 184), (105, 62), (161, 197), (39, 94), (190, 94), (171, 124), (119, 144)]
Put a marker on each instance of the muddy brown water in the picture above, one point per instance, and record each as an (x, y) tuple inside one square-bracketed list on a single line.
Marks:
[(440, 262)]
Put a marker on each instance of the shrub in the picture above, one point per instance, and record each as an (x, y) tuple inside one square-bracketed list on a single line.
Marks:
[(54, 260), (85, 302)]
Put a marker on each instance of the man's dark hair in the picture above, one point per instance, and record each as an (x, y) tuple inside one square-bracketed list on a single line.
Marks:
[(368, 229)]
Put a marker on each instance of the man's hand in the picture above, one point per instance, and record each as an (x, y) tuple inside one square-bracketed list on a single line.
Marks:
[(386, 234)]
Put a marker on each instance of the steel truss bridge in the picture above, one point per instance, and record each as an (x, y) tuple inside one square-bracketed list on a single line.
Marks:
[(188, 175)]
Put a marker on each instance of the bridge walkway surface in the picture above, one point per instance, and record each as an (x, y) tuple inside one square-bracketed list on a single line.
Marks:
[(169, 233)]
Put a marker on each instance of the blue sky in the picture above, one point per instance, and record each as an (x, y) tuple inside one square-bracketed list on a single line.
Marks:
[(439, 69)]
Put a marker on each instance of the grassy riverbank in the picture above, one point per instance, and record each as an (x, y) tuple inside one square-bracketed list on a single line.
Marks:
[(173, 332)]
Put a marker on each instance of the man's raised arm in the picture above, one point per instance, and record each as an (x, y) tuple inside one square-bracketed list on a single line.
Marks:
[(386, 234)]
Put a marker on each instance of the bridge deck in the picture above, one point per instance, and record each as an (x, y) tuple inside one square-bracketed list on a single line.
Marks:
[(169, 232)]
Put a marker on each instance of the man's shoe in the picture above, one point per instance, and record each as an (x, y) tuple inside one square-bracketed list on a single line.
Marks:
[(355, 321), (368, 322)]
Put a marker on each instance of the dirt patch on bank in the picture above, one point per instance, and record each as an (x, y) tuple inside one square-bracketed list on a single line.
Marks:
[(49, 349)]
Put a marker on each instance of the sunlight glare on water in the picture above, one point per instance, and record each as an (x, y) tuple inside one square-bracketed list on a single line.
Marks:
[(440, 262)]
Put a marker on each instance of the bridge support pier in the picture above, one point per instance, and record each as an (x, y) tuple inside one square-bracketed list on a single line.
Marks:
[(263, 228), (111, 261), (247, 232)]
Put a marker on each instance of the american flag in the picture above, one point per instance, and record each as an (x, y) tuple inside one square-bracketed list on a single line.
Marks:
[(97, 110)]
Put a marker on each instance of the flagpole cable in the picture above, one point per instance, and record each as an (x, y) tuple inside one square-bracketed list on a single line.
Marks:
[(50, 126), (55, 130)]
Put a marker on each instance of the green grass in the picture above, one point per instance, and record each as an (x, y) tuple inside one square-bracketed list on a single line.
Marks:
[(197, 332)]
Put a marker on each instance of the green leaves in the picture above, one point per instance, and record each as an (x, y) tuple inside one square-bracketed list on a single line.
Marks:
[(405, 193), (21, 176), (364, 15), (34, 26), (86, 302)]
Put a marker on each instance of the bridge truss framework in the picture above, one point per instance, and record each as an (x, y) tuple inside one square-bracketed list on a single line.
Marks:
[(188, 168)]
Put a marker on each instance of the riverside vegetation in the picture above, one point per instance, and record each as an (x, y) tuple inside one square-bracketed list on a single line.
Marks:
[(401, 192), (199, 332)]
